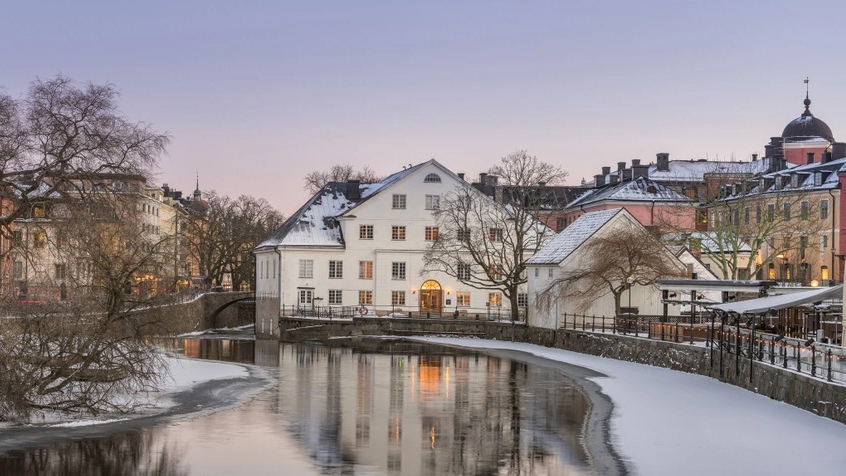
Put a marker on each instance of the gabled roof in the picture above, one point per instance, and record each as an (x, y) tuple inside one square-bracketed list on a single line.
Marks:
[(641, 189), (709, 241), (828, 170), (315, 224), (695, 171), (572, 237)]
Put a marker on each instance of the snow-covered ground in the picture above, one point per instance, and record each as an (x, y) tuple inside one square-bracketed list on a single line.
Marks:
[(667, 422)]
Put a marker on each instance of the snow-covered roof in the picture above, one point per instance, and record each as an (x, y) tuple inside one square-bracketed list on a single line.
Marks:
[(695, 171), (709, 241), (315, 224), (640, 189), (572, 237), (762, 305), (776, 182)]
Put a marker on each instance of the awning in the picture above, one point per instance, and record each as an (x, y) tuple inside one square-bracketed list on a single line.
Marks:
[(762, 305)]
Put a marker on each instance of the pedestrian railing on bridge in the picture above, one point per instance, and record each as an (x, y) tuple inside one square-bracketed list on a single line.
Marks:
[(494, 313)]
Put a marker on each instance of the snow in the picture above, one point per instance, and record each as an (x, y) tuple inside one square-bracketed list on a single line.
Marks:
[(639, 189), (669, 422), (572, 237)]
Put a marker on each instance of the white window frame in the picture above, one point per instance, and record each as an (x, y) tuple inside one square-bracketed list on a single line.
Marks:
[(433, 202), (398, 201), (306, 269), (398, 270), (336, 269)]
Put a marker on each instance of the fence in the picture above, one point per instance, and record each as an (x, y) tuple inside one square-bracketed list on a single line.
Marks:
[(816, 359), (495, 313)]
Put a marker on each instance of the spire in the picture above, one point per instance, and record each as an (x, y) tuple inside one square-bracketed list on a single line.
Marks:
[(197, 192), (807, 100)]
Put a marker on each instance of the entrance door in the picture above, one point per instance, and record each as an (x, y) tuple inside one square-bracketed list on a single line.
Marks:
[(431, 297)]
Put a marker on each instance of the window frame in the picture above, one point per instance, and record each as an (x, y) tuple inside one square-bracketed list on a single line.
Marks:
[(397, 232), (336, 269), (433, 202), (365, 269), (399, 201), (305, 269), (431, 233), (398, 270), (365, 232)]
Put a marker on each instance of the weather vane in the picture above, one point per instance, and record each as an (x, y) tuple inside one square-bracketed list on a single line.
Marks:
[(806, 86)]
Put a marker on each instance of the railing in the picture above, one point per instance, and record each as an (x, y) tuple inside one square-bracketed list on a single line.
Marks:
[(348, 312), (816, 359)]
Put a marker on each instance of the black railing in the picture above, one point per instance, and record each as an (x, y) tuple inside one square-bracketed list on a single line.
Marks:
[(348, 312)]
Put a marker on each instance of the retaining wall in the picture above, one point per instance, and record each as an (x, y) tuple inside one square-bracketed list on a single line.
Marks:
[(196, 315), (812, 394)]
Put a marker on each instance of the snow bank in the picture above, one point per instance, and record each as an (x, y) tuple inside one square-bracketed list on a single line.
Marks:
[(670, 422)]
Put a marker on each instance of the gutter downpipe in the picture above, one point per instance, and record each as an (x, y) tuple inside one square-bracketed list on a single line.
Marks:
[(833, 269), (279, 309)]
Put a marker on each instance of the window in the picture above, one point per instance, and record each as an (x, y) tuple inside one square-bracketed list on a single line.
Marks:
[(38, 211), (17, 237), (495, 234), (824, 273), (758, 214), (462, 298), (537, 272), (463, 272), (803, 211), (39, 238), (495, 299), (61, 240), (771, 271), (433, 202), (274, 270), (495, 272), (522, 300), (336, 269), (823, 242), (398, 233), (306, 268), (559, 224), (736, 217), (365, 232), (365, 270), (746, 216), (365, 297), (690, 192), (306, 296), (787, 211), (398, 298), (18, 270), (550, 272), (432, 178), (398, 270), (770, 211), (431, 233), (398, 202), (823, 209), (463, 234), (336, 297)]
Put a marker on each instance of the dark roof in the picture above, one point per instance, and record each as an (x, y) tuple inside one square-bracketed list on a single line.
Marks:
[(806, 126), (640, 189)]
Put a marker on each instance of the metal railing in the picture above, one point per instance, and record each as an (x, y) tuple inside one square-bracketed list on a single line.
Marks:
[(494, 313)]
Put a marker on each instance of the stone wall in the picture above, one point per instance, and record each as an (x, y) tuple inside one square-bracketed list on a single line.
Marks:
[(197, 314), (812, 394)]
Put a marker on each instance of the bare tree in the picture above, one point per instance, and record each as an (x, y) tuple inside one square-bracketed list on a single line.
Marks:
[(223, 238), (483, 242), (316, 180), (612, 263)]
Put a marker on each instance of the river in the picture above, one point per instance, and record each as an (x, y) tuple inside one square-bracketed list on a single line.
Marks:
[(371, 407)]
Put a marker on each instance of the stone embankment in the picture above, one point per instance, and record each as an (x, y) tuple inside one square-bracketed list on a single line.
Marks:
[(198, 314), (812, 394)]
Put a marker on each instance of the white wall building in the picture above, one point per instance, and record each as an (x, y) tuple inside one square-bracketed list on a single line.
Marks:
[(362, 246)]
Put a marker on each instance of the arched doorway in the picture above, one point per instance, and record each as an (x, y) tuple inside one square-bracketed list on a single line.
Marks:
[(431, 297)]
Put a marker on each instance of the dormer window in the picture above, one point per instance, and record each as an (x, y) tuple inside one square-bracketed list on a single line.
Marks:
[(794, 180), (818, 179), (432, 178)]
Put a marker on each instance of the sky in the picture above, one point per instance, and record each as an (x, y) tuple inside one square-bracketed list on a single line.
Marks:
[(257, 94)]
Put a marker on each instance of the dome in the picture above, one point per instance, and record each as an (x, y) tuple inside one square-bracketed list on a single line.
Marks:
[(806, 126)]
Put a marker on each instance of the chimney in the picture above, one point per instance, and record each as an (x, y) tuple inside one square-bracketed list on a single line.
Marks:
[(754, 157), (635, 162), (599, 180), (606, 170), (621, 166), (613, 179), (483, 178), (663, 161), (838, 150), (461, 175), (810, 157), (826, 157), (640, 171), (695, 247), (353, 192), (627, 175)]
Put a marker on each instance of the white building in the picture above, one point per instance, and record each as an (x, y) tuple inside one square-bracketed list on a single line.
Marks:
[(361, 246), (565, 253)]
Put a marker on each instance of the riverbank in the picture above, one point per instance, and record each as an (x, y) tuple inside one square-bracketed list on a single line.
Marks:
[(194, 387), (670, 422)]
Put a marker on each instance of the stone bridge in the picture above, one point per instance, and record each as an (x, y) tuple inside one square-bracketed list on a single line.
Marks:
[(208, 311)]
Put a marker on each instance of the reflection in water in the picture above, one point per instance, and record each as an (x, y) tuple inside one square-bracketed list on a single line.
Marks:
[(384, 407), (416, 409)]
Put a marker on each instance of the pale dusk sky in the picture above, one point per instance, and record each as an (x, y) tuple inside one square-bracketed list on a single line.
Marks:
[(257, 94)]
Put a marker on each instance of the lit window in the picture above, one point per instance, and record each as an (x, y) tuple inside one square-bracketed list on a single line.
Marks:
[(462, 298), (398, 233), (336, 297), (306, 268), (495, 299), (824, 273), (336, 269), (432, 178), (398, 298), (495, 234), (365, 232), (771, 271), (431, 233), (365, 297), (365, 270), (398, 270), (398, 202), (433, 202), (495, 272), (39, 238)]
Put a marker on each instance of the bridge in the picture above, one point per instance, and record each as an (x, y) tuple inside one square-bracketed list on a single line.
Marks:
[(206, 311)]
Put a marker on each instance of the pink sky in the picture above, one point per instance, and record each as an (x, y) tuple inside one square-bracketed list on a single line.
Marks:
[(258, 94)]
